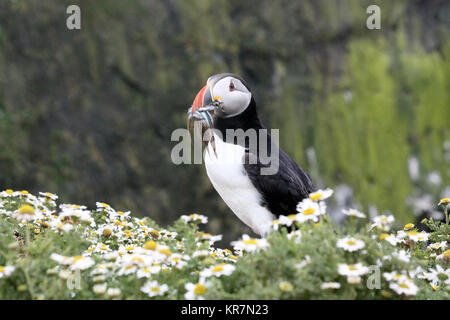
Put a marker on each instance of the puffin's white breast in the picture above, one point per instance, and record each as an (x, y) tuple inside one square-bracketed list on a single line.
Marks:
[(229, 178)]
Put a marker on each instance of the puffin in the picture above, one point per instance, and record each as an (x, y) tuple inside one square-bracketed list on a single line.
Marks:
[(235, 166)]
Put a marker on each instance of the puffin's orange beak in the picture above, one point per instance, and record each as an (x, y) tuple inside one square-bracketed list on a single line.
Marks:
[(203, 111), (202, 98)]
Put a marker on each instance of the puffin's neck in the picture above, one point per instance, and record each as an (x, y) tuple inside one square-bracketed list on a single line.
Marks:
[(246, 120)]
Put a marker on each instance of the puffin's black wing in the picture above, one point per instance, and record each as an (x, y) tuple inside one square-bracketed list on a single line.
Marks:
[(283, 190)]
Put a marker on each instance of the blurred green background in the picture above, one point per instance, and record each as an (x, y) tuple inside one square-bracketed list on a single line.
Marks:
[(88, 114)]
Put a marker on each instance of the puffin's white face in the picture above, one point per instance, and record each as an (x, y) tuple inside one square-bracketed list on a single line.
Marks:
[(234, 95)]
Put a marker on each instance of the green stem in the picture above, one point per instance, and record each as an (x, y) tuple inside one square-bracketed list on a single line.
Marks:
[(25, 268), (446, 214)]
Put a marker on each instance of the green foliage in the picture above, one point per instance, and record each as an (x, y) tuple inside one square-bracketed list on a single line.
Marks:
[(359, 134), (107, 254)]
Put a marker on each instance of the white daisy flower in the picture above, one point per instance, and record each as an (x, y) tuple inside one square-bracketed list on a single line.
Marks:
[(200, 253), (81, 263), (437, 245), (249, 244), (210, 237), (383, 222), (394, 276), (393, 240), (25, 213), (401, 255), (438, 274), (8, 193), (194, 218), (196, 291), (275, 224), (330, 285), (320, 194), (350, 244), (444, 202), (153, 288), (218, 270), (49, 195), (354, 279), (147, 272), (309, 210), (417, 236), (113, 292), (444, 255), (296, 235), (286, 220), (354, 213), (404, 286), (6, 271), (99, 288), (75, 263), (303, 263), (353, 270)]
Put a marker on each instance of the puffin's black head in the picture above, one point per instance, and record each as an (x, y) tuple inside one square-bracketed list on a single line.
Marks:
[(230, 89)]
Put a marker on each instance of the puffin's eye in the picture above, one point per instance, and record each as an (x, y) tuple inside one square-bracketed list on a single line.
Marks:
[(231, 87)]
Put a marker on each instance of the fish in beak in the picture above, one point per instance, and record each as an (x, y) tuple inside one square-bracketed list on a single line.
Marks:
[(202, 108), (202, 111)]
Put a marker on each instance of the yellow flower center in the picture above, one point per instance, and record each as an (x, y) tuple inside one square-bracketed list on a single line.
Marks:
[(217, 269), (130, 248), (165, 251), (2, 269), (26, 209), (250, 241), (156, 289), (315, 196), (409, 226), (199, 289), (9, 192), (286, 286), (76, 258), (403, 285), (412, 233), (384, 236), (352, 267), (309, 211), (155, 233), (107, 232), (446, 253), (150, 245), (351, 242), (292, 216)]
